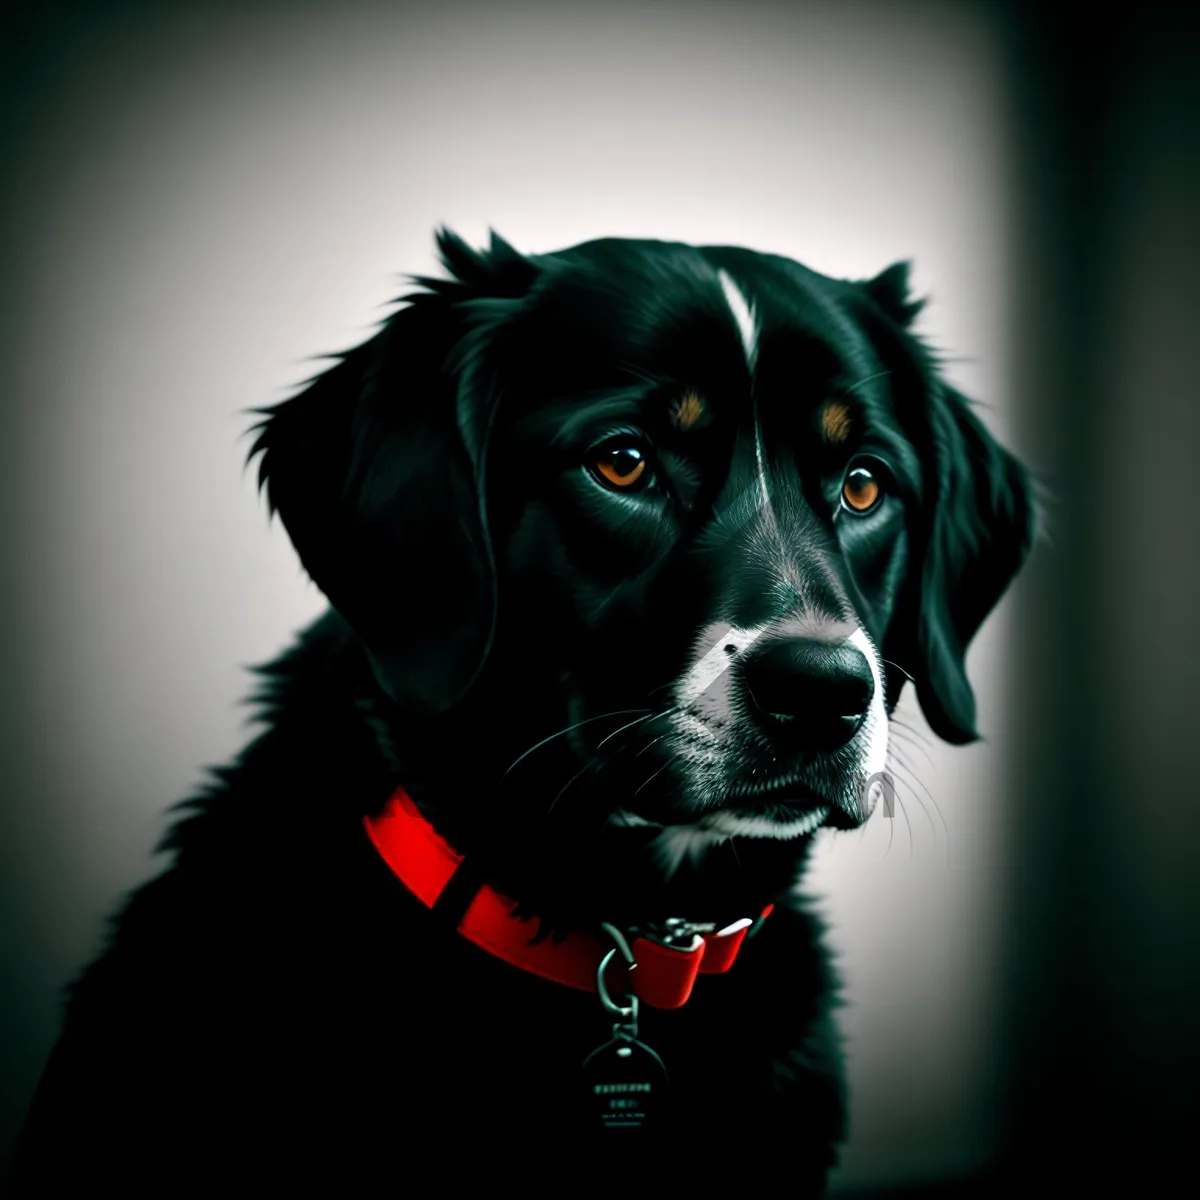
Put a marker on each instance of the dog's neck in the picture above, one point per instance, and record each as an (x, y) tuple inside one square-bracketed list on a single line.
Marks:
[(568, 864)]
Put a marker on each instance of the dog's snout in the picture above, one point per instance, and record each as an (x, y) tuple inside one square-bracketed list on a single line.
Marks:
[(811, 693)]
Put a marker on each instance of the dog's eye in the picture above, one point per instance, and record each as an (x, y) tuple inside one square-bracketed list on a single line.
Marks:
[(621, 466), (862, 490)]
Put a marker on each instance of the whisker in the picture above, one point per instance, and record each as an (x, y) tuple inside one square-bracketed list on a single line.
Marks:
[(905, 738), (902, 762), (656, 774), (600, 761), (936, 807), (649, 744), (945, 827), (570, 781), (898, 668), (918, 734), (892, 830), (631, 724), (898, 765), (622, 712), (894, 749), (908, 825), (891, 835)]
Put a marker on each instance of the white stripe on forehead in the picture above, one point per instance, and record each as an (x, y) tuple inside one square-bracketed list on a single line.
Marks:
[(747, 323), (743, 314)]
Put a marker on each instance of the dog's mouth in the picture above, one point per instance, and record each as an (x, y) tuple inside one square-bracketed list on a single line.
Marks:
[(782, 809)]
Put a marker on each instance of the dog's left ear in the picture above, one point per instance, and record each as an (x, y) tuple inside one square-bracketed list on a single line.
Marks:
[(377, 470), (981, 531), (976, 527)]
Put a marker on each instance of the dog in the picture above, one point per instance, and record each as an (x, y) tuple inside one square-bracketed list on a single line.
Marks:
[(630, 550)]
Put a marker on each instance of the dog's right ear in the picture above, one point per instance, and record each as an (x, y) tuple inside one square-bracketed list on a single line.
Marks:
[(970, 535), (377, 467)]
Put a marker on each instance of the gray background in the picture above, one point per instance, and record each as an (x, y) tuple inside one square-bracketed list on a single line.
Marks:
[(202, 197)]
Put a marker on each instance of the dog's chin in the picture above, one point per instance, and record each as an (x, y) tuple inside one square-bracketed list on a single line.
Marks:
[(780, 832), (778, 821)]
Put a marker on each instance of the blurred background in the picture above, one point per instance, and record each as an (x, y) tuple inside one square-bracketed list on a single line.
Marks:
[(199, 198)]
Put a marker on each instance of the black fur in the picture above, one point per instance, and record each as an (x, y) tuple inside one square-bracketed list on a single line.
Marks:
[(275, 1009)]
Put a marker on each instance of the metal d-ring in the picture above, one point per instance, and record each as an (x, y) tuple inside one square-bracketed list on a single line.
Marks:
[(629, 1012)]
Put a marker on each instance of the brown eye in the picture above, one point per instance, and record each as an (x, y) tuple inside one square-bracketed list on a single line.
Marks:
[(622, 467), (861, 491)]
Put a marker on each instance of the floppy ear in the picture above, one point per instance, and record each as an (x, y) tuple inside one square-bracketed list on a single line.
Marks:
[(974, 532), (377, 468), (979, 535)]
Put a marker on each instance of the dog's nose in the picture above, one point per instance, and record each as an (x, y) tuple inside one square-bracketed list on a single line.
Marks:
[(812, 694)]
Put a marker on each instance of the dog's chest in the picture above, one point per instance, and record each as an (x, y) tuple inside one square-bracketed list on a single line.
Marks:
[(350, 1012), (411, 1023)]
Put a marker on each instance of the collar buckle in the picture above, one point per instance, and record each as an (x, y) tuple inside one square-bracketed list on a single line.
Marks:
[(678, 934)]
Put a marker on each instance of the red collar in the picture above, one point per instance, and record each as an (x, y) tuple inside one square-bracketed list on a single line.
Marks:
[(425, 863)]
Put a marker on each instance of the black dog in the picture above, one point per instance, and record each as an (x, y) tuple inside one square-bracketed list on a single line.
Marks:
[(630, 550)]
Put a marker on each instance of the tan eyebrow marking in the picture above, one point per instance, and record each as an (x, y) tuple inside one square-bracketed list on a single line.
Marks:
[(835, 421), (687, 410)]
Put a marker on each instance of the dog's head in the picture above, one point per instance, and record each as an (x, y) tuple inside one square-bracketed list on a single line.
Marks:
[(667, 527)]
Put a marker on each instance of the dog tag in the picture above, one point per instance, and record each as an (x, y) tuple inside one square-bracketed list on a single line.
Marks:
[(625, 1083)]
